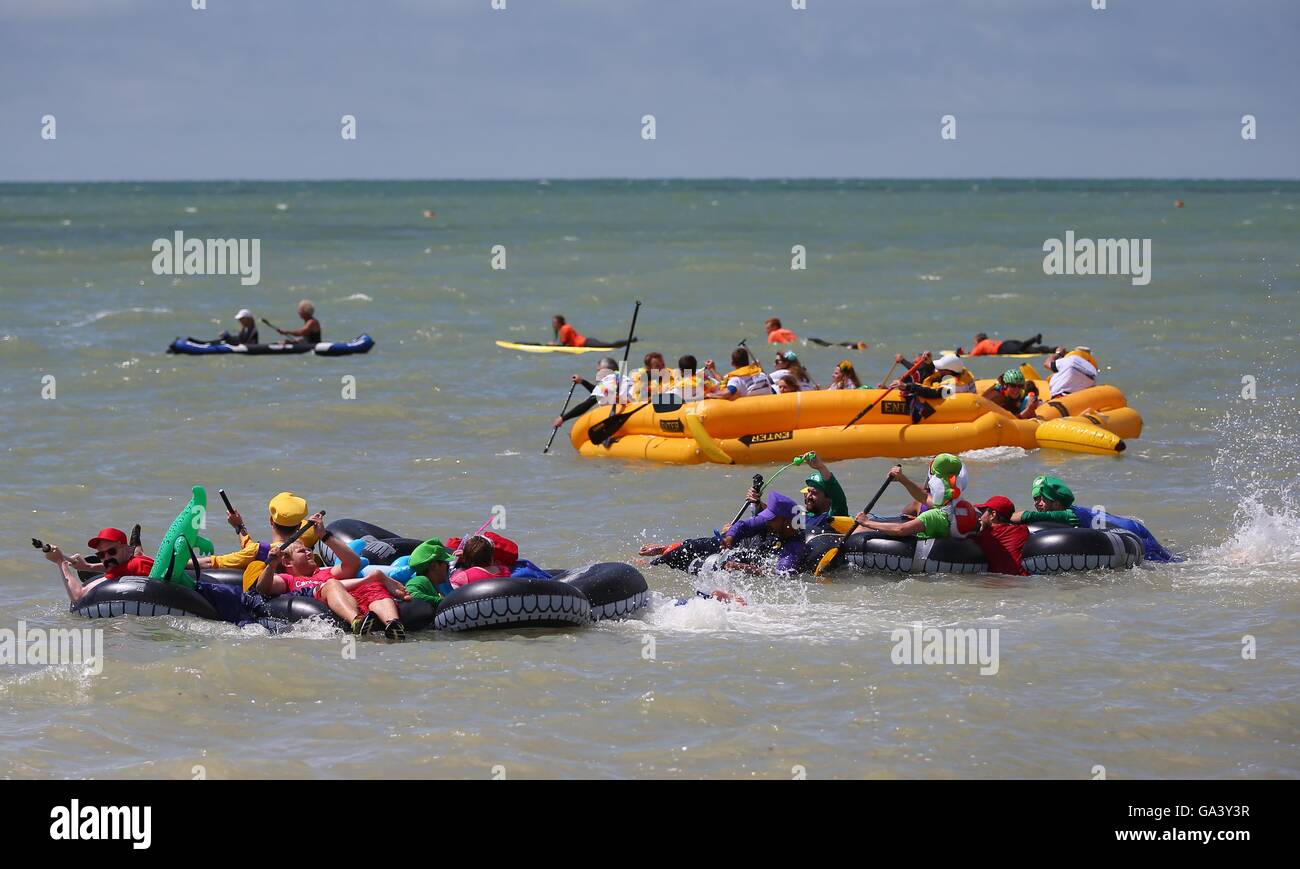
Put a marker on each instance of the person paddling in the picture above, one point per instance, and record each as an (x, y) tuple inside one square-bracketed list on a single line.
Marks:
[(363, 602), (310, 333), (605, 390), (986, 346), (567, 336), (1011, 393), (746, 377)]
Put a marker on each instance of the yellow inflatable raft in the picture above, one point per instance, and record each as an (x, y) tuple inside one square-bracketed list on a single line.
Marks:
[(769, 429)]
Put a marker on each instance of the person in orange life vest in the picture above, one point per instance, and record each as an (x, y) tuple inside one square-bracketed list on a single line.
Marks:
[(117, 559), (777, 334), (1001, 540), (567, 336), (986, 346)]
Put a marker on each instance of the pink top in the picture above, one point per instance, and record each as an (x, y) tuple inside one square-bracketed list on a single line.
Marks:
[(475, 574), (298, 583)]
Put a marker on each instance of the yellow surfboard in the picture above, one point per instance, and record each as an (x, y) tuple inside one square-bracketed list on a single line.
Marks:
[(526, 347)]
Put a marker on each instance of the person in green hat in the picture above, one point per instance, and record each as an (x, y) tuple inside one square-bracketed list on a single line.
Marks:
[(823, 496), (1013, 394), (1052, 501), (432, 565)]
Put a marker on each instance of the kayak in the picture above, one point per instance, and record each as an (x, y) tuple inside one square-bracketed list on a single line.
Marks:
[(190, 347), (770, 429), (532, 347)]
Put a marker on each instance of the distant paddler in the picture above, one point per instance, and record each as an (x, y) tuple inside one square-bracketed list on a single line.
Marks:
[(986, 346), (310, 333), (567, 336)]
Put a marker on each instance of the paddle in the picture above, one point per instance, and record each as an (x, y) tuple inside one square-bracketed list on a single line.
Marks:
[(852, 345), (835, 550), (272, 325), (865, 410), (607, 432), (563, 411), (607, 428), (279, 547), (757, 484), (242, 529), (603, 431), (885, 379)]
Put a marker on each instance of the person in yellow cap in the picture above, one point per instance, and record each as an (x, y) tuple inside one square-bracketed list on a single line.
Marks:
[(1072, 370), (286, 511)]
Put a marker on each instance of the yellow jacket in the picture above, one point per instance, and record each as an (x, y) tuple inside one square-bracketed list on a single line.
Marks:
[(248, 552)]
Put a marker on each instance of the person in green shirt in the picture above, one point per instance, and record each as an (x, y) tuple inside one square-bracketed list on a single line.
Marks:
[(1052, 501), (431, 562), (823, 496)]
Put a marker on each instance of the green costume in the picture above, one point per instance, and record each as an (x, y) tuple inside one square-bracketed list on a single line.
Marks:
[(180, 539)]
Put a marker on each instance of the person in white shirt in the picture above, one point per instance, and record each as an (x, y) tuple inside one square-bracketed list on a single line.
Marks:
[(608, 384), (788, 366), (1073, 370), (746, 378)]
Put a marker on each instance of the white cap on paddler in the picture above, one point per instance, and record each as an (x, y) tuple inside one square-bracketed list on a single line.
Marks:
[(949, 362), (244, 314)]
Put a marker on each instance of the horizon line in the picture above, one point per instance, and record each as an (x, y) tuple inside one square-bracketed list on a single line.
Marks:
[(576, 178)]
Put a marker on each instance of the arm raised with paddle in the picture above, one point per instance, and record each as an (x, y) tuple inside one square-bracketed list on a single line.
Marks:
[(915, 365), (834, 551)]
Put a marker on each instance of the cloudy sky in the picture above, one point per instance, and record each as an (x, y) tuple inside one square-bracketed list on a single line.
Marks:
[(152, 89)]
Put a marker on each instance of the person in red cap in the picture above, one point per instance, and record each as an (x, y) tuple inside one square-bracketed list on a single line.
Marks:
[(1001, 541), (117, 558)]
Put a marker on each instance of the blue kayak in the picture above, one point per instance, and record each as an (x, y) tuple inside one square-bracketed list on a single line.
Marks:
[(191, 347)]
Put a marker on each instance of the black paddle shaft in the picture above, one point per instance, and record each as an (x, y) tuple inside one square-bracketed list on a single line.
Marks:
[(618, 383), (563, 411), (302, 529), (230, 508), (758, 484)]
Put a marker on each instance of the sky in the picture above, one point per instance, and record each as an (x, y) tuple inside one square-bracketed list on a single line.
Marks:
[(256, 89)]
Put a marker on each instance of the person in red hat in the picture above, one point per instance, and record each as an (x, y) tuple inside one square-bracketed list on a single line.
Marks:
[(1001, 541), (117, 558)]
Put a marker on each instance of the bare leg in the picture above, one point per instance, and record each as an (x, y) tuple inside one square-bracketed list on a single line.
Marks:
[(343, 604), (385, 609)]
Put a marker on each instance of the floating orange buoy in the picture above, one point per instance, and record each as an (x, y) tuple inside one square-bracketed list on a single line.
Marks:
[(1178, 203)]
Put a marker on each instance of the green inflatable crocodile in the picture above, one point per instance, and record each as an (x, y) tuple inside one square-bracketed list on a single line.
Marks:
[(181, 537)]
